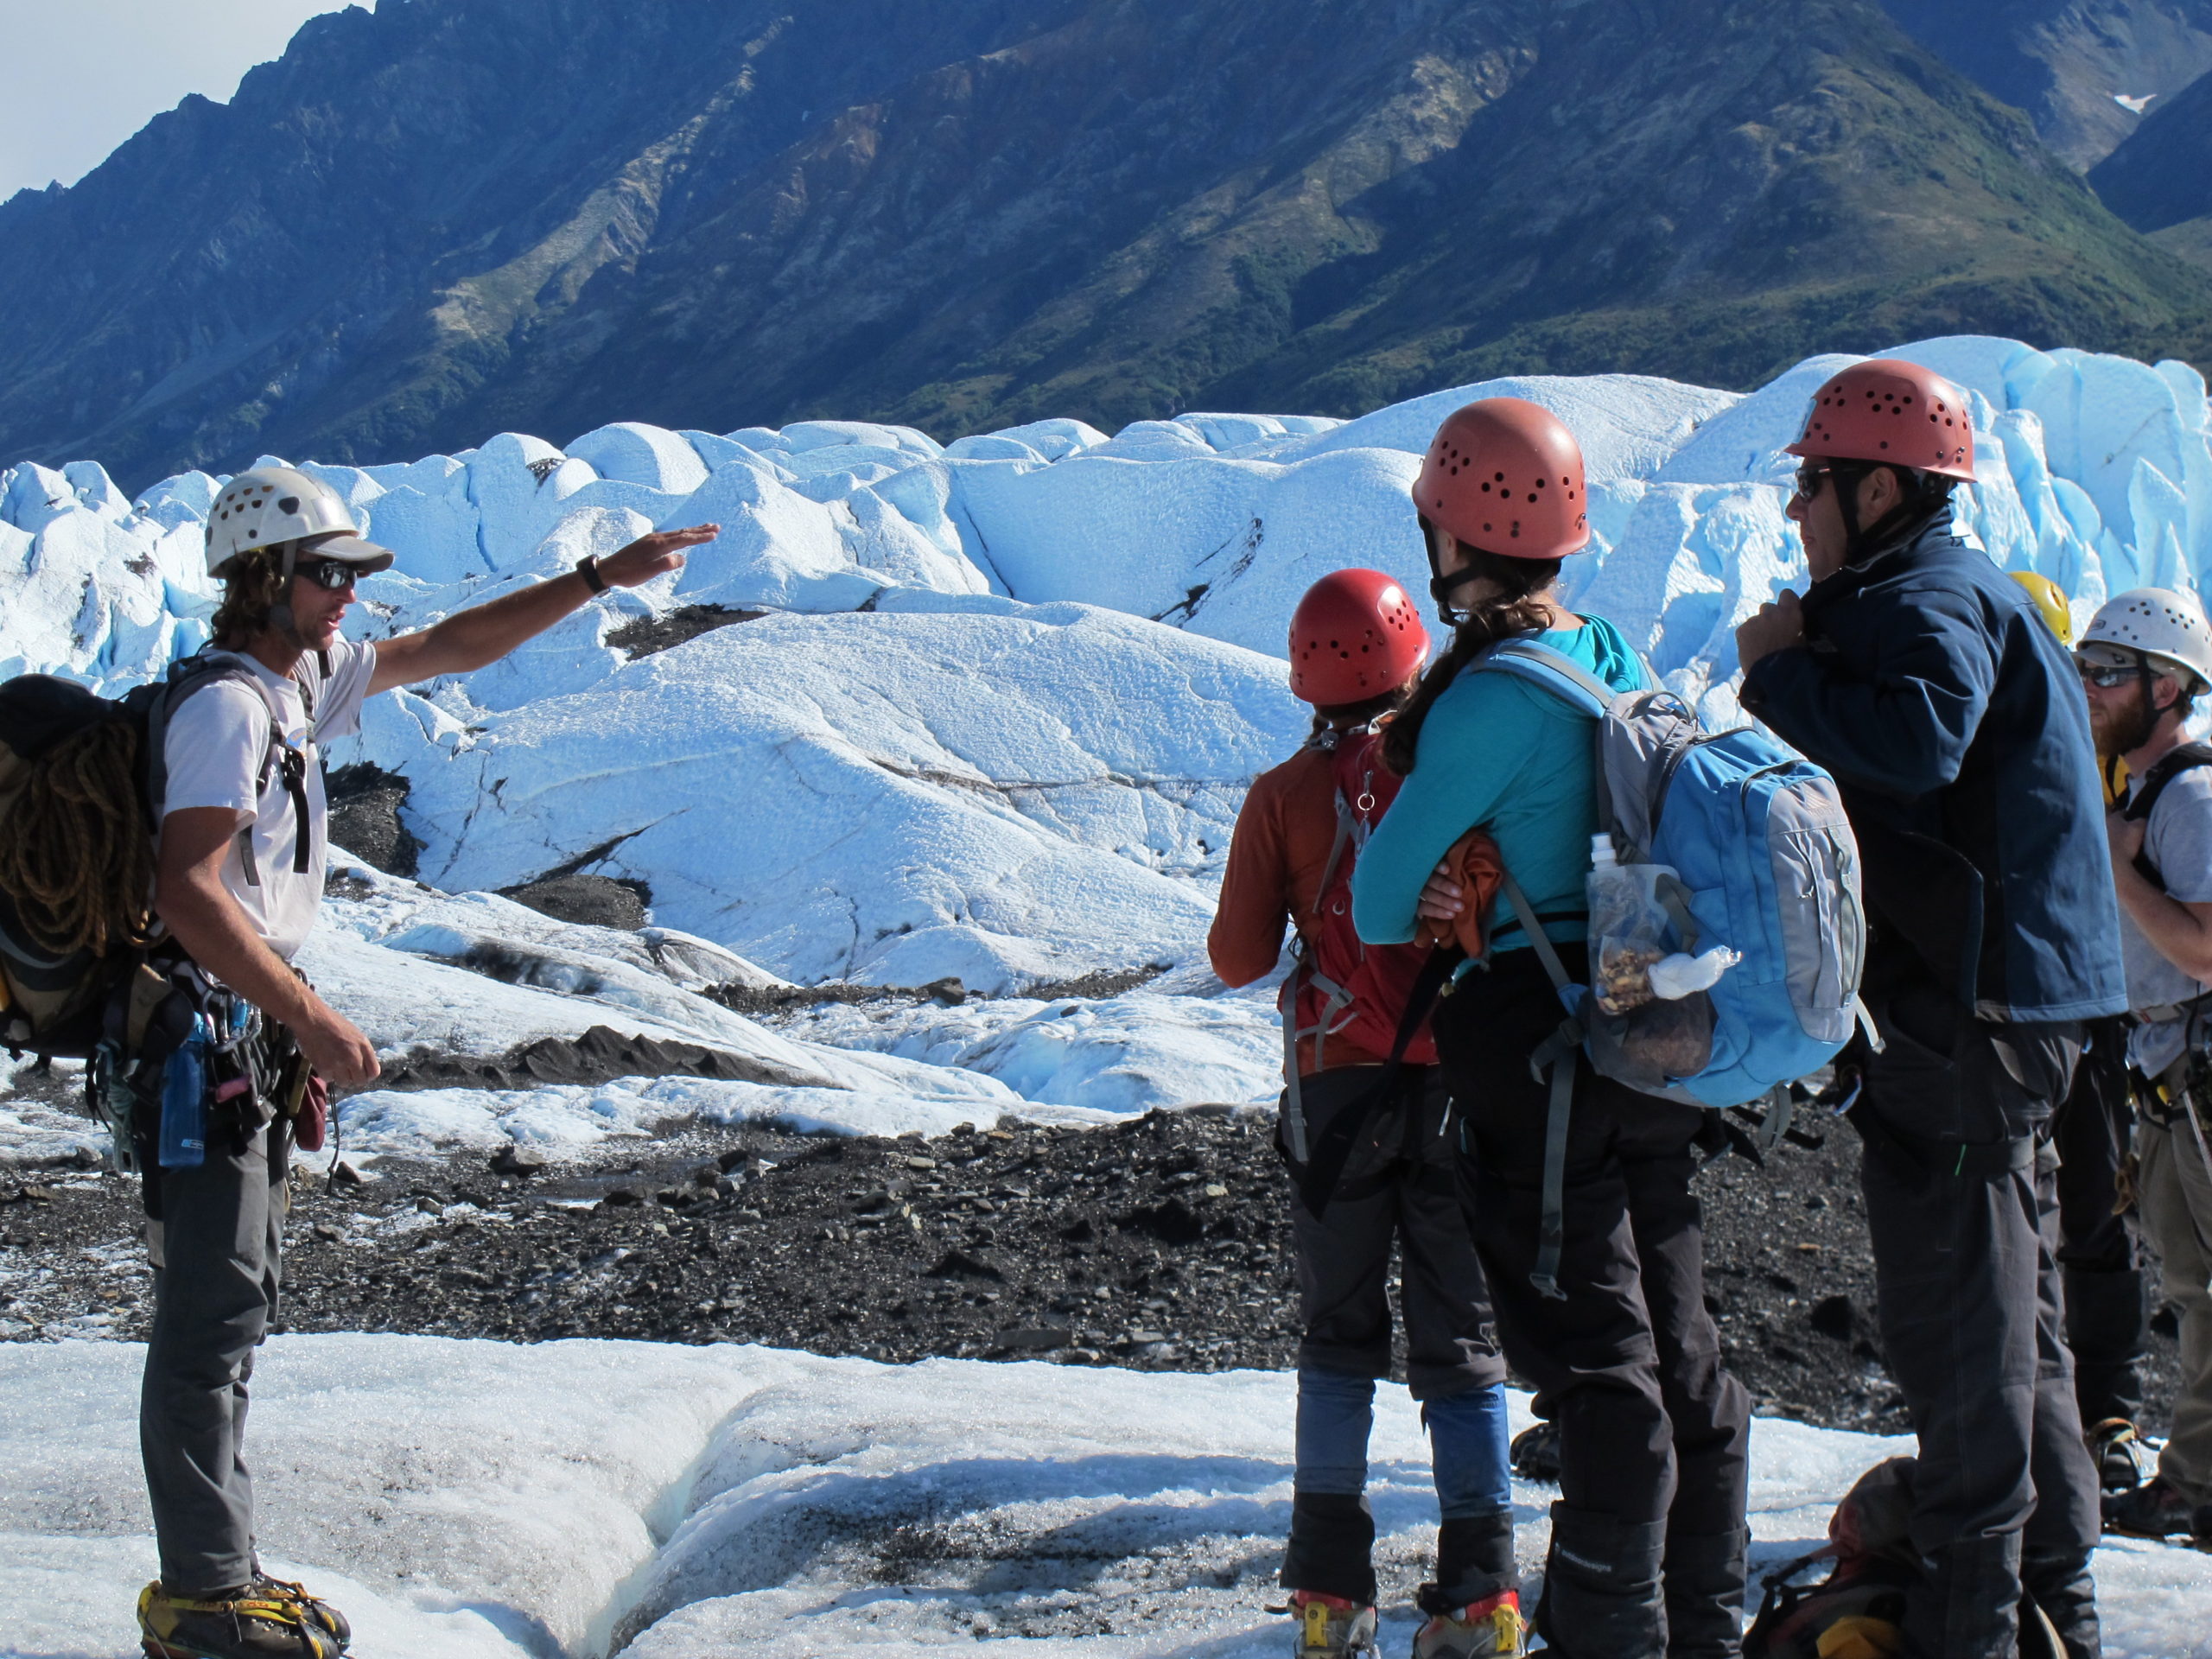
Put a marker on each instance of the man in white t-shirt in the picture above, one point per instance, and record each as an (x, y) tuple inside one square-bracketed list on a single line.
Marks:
[(2145, 660), (239, 877)]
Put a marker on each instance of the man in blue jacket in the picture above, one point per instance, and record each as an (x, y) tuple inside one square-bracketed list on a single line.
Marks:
[(1920, 676)]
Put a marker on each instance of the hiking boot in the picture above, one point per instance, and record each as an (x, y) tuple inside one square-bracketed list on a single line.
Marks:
[(1329, 1627), (2154, 1509), (266, 1619), (1492, 1625), (317, 1612), (1536, 1452), (2123, 1461)]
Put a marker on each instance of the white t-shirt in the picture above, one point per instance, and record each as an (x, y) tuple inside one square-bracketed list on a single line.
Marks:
[(217, 740), (2178, 839)]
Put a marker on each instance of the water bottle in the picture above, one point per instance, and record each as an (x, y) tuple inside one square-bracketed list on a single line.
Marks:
[(184, 1102), (1628, 928)]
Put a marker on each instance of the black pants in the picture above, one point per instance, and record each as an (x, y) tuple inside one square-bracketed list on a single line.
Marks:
[(1343, 1260), (1970, 1309), (1628, 1363), (2101, 1252)]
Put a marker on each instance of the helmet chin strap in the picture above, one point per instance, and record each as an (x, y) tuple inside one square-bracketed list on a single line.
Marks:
[(1915, 508), (1440, 588), (2148, 716), (281, 618), (1846, 506)]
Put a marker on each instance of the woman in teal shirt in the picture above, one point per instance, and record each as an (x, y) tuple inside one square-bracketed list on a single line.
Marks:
[(1649, 1536)]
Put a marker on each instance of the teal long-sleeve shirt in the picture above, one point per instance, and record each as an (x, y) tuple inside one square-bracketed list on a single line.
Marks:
[(1499, 752)]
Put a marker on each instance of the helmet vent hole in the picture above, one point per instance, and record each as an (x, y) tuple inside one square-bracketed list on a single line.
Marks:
[(289, 504)]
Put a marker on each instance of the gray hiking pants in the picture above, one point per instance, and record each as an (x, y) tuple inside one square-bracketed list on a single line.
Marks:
[(216, 1266), (2176, 1183)]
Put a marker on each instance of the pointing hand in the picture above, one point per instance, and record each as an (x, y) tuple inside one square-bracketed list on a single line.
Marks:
[(653, 556)]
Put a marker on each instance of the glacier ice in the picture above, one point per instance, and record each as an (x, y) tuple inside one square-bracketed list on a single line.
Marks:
[(1008, 691)]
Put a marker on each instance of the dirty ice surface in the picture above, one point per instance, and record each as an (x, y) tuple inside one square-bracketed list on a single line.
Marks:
[(472, 1500)]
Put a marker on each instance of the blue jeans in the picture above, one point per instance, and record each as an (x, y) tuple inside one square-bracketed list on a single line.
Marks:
[(1468, 1450)]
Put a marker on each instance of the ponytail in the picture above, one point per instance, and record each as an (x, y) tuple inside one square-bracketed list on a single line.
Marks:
[(1516, 606), (1346, 716)]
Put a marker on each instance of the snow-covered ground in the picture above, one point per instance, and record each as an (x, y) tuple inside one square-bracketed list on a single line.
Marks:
[(466, 1500)]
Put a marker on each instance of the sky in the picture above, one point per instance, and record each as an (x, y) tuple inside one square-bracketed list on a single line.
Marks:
[(86, 74)]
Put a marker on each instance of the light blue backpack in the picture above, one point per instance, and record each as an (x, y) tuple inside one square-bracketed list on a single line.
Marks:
[(1764, 863)]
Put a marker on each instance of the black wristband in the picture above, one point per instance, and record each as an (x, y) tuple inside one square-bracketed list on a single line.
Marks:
[(588, 568)]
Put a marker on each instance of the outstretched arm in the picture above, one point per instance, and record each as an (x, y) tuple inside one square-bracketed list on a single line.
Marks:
[(473, 638), (189, 896)]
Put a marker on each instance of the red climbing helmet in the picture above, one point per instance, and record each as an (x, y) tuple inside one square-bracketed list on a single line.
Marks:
[(1354, 636), (1505, 475), (1886, 409)]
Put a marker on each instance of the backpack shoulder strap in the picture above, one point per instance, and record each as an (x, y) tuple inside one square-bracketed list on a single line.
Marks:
[(2187, 757), (191, 674), (1555, 670), (195, 674), (2171, 766)]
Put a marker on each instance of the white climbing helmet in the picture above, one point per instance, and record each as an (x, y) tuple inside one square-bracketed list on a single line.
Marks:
[(2161, 624), (272, 505)]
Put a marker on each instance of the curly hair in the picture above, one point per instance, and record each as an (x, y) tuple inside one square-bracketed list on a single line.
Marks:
[(251, 587)]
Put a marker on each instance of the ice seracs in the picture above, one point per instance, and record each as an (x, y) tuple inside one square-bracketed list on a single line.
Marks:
[(1005, 694)]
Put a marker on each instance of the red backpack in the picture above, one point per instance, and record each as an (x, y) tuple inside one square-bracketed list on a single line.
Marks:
[(1342, 988)]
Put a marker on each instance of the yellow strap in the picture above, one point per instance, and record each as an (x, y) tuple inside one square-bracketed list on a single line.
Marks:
[(1861, 1637), (1316, 1625), (281, 1612)]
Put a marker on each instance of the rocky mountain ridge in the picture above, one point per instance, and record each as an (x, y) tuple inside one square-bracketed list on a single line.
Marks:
[(2160, 180), (2086, 72), (451, 216)]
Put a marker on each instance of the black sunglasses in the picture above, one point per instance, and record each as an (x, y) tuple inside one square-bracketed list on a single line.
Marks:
[(2109, 674), (1808, 480), (333, 574)]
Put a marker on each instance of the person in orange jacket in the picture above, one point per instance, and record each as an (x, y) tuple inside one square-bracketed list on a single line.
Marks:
[(1357, 646)]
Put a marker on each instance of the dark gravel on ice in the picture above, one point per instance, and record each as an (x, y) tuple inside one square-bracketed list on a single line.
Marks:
[(1157, 1243)]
